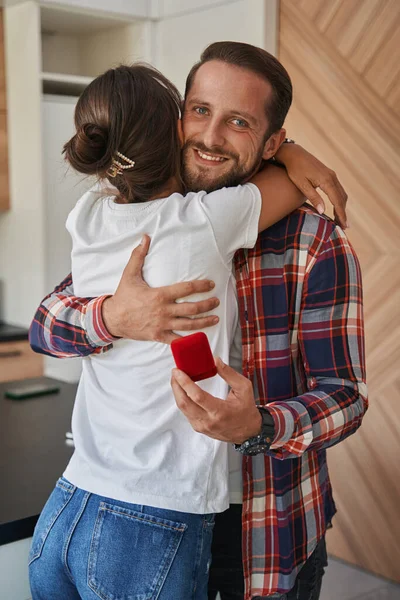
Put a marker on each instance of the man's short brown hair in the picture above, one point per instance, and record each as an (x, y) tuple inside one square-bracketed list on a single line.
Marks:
[(261, 63)]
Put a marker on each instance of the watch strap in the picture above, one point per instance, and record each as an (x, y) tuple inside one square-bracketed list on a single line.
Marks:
[(262, 442)]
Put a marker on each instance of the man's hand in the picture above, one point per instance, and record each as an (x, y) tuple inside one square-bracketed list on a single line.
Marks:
[(139, 312), (232, 420), (308, 173)]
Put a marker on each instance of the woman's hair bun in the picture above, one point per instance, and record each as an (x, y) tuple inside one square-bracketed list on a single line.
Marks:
[(88, 150)]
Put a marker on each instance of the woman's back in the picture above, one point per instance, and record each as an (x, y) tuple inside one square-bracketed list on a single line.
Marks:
[(132, 442)]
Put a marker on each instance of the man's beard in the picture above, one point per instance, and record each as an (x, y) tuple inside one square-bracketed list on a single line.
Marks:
[(196, 181)]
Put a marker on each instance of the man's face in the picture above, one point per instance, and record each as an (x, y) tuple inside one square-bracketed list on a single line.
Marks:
[(224, 126)]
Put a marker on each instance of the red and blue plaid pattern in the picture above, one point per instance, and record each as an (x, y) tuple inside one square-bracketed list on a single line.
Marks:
[(300, 301), (301, 312), (65, 326)]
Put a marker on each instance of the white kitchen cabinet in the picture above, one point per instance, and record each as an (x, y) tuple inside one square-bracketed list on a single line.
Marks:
[(56, 50), (140, 9)]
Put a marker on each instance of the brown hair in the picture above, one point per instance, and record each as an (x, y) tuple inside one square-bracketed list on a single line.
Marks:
[(133, 110), (261, 63)]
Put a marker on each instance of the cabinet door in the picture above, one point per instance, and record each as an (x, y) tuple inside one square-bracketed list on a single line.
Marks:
[(18, 361)]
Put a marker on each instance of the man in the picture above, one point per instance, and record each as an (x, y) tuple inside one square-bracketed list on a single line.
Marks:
[(301, 319)]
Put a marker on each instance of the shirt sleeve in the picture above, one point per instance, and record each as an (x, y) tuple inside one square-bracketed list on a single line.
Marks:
[(331, 339), (66, 326), (233, 214)]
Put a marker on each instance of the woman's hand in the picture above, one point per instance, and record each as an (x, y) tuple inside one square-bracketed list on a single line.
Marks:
[(308, 174)]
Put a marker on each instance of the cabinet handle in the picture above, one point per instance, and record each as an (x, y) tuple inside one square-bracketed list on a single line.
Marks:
[(10, 354)]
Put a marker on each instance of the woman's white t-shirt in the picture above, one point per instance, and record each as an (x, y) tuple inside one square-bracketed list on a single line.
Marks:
[(132, 443)]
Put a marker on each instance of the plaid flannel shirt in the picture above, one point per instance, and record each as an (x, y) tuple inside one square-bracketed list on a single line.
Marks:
[(300, 302)]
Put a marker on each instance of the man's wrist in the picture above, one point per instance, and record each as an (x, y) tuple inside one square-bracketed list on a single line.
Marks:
[(108, 317), (92, 321), (255, 428), (262, 440)]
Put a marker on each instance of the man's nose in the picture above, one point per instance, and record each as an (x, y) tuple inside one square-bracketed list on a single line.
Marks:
[(213, 135)]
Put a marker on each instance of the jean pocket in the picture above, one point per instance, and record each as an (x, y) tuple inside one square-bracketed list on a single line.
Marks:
[(54, 506), (131, 553)]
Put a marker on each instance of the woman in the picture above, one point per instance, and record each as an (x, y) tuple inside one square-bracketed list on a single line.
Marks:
[(132, 516)]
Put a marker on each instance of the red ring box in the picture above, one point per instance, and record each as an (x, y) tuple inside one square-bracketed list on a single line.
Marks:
[(193, 356)]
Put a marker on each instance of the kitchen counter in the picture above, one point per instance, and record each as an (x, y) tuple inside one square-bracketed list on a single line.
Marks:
[(33, 454), (11, 333)]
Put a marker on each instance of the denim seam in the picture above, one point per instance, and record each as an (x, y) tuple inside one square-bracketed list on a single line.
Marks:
[(64, 487), (148, 521), (168, 560), (50, 526), (91, 560), (71, 533)]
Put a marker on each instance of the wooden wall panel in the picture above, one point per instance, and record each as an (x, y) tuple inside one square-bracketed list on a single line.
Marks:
[(344, 60)]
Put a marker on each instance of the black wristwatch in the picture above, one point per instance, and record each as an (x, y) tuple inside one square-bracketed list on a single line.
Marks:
[(260, 443)]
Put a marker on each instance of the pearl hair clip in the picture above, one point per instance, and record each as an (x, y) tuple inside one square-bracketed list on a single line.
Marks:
[(117, 167)]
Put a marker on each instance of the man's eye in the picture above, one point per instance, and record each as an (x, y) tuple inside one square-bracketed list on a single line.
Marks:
[(200, 110), (239, 122)]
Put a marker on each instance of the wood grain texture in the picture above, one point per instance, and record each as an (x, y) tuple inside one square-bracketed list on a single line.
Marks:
[(18, 361), (344, 60)]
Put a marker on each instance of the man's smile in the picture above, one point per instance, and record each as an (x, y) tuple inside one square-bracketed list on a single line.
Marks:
[(208, 158)]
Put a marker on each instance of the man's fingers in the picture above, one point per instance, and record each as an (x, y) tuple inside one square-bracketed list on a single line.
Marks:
[(191, 309), (184, 401), (201, 398), (238, 383), (187, 288), (133, 269), (193, 324)]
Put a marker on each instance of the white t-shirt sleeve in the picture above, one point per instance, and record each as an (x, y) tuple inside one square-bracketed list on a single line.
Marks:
[(233, 214)]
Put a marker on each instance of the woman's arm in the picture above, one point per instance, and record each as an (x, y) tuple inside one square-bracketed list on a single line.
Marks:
[(280, 197)]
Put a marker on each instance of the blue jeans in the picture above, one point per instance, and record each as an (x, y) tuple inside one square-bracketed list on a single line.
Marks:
[(89, 547)]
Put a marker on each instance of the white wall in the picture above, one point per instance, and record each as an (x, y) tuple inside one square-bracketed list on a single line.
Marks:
[(167, 8), (188, 27)]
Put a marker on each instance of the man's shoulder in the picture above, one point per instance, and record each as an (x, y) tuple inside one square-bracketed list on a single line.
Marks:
[(304, 226)]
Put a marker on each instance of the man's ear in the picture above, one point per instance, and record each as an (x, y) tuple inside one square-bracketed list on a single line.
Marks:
[(273, 143), (180, 132)]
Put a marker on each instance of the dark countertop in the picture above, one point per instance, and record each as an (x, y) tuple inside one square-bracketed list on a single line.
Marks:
[(33, 454), (11, 333)]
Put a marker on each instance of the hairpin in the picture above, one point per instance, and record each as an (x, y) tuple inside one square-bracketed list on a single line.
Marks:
[(117, 168)]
